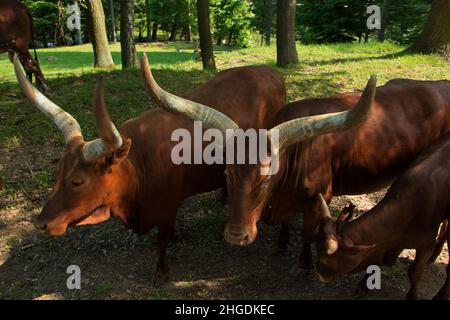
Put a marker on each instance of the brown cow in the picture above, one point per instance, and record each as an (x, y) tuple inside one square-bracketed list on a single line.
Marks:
[(408, 217), (16, 33), (406, 116), (131, 175)]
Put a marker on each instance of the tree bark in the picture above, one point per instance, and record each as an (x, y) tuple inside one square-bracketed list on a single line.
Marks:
[(113, 21), (189, 28), (99, 38), (127, 45), (269, 18), (173, 33), (155, 32), (204, 30), (286, 50), (149, 24), (435, 37), (384, 19)]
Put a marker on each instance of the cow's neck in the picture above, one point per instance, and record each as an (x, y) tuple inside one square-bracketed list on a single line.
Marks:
[(377, 226), (124, 207)]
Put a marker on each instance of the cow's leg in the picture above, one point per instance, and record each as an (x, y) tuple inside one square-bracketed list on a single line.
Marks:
[(31, 66), (165, 234), (417, 269), (442, 235), (311, 217), (284, 236), (361, 289), (444, 293)]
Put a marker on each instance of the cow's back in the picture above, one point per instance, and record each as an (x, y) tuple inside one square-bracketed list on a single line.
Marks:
[(406, 117), (251, 96)]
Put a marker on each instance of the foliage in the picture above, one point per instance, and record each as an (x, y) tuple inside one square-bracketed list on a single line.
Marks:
[(232, 21), (406, 20), (331, 21)]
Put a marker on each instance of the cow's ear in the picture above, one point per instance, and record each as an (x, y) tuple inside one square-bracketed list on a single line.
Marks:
[(120, 154), (347, 213)]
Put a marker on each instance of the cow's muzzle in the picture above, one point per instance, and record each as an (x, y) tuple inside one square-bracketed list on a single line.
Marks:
[(240, 236)]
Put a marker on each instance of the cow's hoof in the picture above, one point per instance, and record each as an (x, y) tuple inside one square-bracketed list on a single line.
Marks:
[(160, 279), (306, 264), (440, 296), (361, 292)]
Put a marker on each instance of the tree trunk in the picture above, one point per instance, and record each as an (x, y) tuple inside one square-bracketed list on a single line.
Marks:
[(173, 33), (435, 37), (155, 32), (149, 24), (204, 31), (189, 28), (127, 45), (286, 50), (44, 38), (219, 40), (384, 19), (99, 38), (113, 21), (230, 37), (269, 17)]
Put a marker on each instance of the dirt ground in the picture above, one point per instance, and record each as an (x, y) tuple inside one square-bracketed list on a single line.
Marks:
[(117, 264)]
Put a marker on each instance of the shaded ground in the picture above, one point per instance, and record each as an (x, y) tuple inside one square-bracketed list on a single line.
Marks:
[(117, 264)]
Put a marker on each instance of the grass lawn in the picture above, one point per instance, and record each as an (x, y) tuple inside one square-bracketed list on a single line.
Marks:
[(30, 146), (324, 70)]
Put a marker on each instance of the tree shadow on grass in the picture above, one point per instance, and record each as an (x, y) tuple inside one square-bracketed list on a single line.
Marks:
[(400, 54)]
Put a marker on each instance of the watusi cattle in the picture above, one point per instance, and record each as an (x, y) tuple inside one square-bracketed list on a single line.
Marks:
[(330, 147), (408, 217), (129, 173), (405, 117), (16, 33)]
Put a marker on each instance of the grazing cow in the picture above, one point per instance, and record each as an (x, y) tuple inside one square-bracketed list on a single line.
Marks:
[(16, 33), (130, 175), (399, 121), (408, 217)]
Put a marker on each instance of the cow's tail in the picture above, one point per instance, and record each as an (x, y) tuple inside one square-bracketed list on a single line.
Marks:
[(32, 36)]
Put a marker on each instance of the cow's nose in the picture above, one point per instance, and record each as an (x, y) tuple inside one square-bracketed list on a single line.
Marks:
[(239, 236), (39, 225)]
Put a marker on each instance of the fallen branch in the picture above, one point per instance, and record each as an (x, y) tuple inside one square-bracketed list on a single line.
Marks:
[(31, 245)]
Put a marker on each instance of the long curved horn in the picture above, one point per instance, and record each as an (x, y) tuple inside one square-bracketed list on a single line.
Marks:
[(110, 139), (300, 129), (63, 120), (210, 117)]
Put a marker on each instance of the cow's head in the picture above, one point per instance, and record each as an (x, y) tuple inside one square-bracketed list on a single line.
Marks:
[(251, 191), (89, 181), (337, 254), (248, 187)]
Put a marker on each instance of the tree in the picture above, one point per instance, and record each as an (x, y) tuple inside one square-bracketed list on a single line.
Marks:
[(99, 38), (113, 21), (232, 21), (148, 21), (269, 17), (286, 50), (204, 30), (435, 37), (127, 45), (384, 19)]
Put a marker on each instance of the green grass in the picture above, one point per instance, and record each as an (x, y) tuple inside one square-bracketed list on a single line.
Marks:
[(323, 70)]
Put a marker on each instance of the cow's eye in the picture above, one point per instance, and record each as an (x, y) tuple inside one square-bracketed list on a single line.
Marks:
[(77, 182)]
